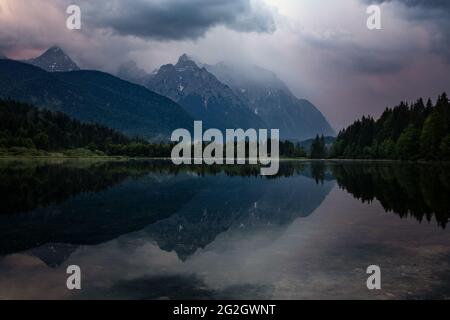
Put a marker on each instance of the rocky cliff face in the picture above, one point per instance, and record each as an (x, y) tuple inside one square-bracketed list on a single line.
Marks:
[(203, 96), (270, 98)]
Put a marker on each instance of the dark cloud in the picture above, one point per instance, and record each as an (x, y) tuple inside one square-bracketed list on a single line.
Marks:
[(351, 56), (375, 64), (178, 19), (435, 4), (434, 15)]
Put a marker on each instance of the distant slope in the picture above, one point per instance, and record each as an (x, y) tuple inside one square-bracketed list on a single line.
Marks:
[(271, 99), (54, 60), (203, 96), (92, 96)]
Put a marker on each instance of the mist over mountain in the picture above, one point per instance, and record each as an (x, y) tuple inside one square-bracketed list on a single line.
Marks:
[(131, 72), (94, 97), (54, 60), (226, 95), (270, 98), (222, 96), (203, 96)]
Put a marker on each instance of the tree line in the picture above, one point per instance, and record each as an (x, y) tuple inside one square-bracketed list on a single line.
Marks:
[(406, 132), (27, 130)]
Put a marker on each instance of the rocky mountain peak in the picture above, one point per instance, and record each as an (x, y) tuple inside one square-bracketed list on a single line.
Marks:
[(54, 60), (185, 63), (202, 95), (183, 58)]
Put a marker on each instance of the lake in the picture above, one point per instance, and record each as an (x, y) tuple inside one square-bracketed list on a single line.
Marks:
[(151, 230)]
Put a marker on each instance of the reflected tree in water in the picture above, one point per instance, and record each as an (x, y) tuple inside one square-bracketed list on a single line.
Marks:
[(409, 190)]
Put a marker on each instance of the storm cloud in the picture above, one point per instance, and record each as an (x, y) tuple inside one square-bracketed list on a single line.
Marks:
[(178, 19), (420, 3), (355, 56), (434, 14)]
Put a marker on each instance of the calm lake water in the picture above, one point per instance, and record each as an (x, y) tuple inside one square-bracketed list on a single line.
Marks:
[(150, 230)]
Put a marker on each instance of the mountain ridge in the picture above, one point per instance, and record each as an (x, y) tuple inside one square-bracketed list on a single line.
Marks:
[(271, 98), (222, 96), (255, 88), (94, 96), (203, 96)]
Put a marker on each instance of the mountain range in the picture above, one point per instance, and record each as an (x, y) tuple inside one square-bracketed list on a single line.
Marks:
[(203, 96), (229, 95), (153, 105), (94, 97), (270, 98)]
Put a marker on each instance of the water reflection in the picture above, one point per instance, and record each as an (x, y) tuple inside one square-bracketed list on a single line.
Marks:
[(182, 208), (409, 190), (149, 230)]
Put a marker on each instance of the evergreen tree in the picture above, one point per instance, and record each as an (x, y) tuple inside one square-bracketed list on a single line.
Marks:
[(318, 148), (445, 148), (408, 144), (25, 129), (407, 132)]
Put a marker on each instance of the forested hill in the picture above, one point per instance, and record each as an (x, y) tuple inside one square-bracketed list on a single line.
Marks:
[(94, 97), (406, 132), (26, 130), (29, 131)]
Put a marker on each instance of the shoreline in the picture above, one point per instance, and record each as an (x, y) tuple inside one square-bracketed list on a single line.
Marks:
[(124, 158)]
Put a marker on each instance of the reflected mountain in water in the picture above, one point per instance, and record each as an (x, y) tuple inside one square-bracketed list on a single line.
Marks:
[(90, 203), (247, 204), (25, 186), (50, 209)]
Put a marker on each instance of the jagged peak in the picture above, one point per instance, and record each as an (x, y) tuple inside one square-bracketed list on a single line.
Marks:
[(54, 59), (55, 49), (184, 58), (186, 61)]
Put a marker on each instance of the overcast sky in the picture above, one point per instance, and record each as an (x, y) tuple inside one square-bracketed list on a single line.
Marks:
[(321, 49)]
